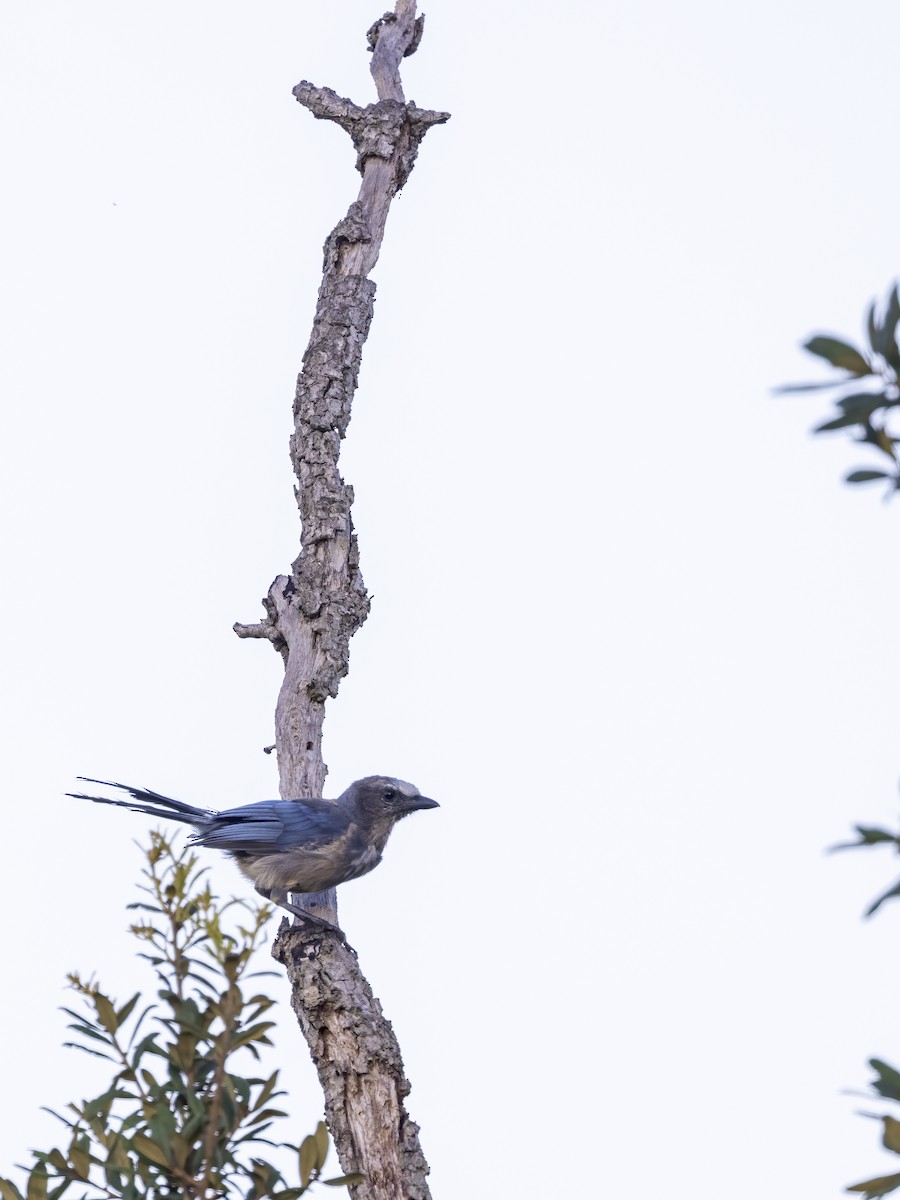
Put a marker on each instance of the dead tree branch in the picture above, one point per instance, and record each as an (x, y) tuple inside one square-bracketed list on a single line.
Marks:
[(312, 613)]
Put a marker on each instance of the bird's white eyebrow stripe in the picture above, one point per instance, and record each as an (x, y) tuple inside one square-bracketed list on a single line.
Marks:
[(408, 789)]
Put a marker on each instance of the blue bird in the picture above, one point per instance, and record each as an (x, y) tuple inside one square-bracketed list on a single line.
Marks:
[(286, 846)]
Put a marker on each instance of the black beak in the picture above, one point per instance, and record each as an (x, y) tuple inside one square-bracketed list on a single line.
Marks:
[(417, 802)]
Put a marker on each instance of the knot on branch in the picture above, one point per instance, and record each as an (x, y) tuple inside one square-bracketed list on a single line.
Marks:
[(348, 232), (386, 129), (315, 611), (390, 18), (418, 122), (378, 131), (267, 628)]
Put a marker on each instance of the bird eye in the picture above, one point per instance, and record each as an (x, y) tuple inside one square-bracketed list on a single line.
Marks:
[(389, 794)]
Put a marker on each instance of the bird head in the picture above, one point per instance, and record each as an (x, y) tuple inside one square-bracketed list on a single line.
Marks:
[(380, 796)]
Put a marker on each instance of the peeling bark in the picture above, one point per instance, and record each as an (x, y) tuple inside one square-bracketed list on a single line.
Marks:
[(312, 613)]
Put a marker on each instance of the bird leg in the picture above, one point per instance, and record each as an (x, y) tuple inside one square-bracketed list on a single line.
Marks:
[(283, 900)]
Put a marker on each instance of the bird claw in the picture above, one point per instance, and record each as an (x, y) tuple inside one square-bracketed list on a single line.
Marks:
[(282, 900), (305, 917)]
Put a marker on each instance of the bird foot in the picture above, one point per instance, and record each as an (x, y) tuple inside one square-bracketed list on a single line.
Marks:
[(282, 900), (305, 917)]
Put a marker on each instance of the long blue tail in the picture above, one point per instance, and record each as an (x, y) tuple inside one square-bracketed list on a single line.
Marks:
[(145, 801)]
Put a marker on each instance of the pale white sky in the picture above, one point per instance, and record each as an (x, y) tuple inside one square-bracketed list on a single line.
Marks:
[(628, 627)]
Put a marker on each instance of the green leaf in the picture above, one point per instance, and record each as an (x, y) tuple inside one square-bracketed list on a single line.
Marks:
[(57, 1159), (865, 476), (147, 1045), (88, 1031), (149, 1150), (80, 1162), (183, 1051), (873, 328), (79, 1018), (181, 1148), (162, 1125), (879, 1186), (349, 1180), (875, 905), (264, 1176), (267, 1092), (839, 353), (263, 1001), (9, 1191), (118, 1155), (321, 1136), (887, 1083), (36, 1188), (52, 1113), (125, 1011), (254, 1033), (869, 835), (878, 436), (891, 1136), (863, 404), (87, 1050), (309, 1158), (844, 421), (787, 388), (228, 1108), (887, 341), (266, 1114), (105, 1012)]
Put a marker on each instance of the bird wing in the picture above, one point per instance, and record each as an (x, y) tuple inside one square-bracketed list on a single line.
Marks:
[(273, 826)]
